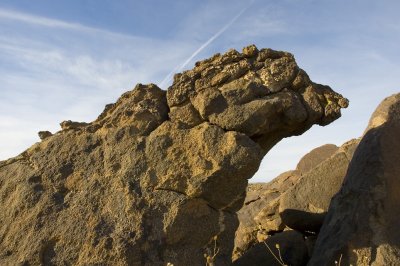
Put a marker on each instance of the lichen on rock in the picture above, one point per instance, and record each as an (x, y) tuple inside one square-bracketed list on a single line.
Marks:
[(158, 174)]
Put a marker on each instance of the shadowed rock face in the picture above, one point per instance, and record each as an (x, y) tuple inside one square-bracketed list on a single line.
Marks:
[(362, 224), (158, 174)]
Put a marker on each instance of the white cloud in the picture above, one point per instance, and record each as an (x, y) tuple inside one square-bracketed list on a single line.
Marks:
[(28, 19), (31, 19)]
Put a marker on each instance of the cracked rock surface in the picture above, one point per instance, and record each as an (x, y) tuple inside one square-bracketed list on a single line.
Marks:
[(159, 173)]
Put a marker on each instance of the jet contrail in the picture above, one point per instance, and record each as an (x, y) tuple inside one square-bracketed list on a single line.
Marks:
[(204, 45)]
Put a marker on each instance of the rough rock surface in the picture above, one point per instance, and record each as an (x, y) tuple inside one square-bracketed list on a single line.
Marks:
[(259, 215), (159, 174), (362, 224), (303, 207)]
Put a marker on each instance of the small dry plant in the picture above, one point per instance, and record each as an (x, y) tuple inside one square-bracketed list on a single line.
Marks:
[(340, 260), (278, 259), (210, 258)]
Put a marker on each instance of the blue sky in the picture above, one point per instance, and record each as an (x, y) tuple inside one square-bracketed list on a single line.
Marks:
[(64, 59)]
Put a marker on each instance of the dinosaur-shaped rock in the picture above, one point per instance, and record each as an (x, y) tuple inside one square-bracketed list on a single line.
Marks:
[(158, 177)]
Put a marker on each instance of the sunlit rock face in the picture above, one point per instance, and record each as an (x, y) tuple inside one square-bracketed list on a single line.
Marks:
[(159, 175)]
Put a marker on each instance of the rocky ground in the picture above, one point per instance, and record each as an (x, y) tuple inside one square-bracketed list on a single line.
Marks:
[(160, 177)]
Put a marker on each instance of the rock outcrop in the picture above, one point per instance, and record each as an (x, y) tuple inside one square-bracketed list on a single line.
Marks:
[(283, 203), (362, 224), (158, 176)]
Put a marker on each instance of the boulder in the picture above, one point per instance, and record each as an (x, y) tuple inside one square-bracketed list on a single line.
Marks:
[(44, 134), (304, 205), (68, 124), (315, 157), (362, 224), (158, 177)]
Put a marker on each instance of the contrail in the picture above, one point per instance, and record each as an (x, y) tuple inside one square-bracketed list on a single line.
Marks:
[(204, 45)]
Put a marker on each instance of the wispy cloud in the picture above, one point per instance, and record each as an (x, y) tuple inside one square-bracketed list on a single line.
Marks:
[(48, 75), (7, 14), (42, 21)]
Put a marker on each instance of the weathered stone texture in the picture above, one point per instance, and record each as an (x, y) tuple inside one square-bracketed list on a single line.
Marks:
[(159, 174)]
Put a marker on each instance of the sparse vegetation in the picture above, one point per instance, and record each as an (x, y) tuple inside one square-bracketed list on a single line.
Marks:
[(210, 257), (279, 257)]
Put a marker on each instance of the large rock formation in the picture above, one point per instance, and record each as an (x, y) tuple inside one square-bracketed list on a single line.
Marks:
[(362, 225), (158, 176)]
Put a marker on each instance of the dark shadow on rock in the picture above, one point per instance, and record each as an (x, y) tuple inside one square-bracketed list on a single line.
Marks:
[(292, 248), (302, 221)]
